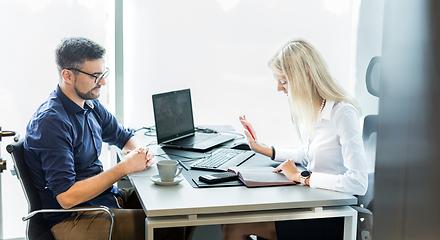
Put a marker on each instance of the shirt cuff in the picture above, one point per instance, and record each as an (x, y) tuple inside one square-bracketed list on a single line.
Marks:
[(323, 180), (282, 155)]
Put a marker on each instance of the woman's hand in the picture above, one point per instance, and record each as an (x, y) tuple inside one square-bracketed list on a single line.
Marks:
[(251, 136), (289, 169)]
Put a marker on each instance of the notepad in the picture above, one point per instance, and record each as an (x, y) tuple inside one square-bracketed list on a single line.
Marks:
[(260, 176)]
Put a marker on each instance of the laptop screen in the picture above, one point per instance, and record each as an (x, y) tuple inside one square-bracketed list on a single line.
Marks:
[(173, 115)]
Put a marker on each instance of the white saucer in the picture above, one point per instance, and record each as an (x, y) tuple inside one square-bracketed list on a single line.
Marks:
[(156, 180)]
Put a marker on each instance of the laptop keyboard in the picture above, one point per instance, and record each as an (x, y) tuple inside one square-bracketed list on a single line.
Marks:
[(217, 158)]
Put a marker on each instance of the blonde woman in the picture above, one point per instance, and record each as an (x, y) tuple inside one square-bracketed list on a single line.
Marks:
[(327, 122)]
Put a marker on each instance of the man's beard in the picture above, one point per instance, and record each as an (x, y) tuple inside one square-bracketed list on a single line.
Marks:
[(88, 95)]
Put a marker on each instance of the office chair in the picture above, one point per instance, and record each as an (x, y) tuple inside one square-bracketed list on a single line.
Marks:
[(369, 137), (37, 227)]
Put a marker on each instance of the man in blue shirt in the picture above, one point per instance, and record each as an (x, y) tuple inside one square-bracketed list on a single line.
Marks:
[(63, 143)]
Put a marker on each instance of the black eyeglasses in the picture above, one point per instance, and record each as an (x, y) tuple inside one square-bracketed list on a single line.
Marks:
[(97, 78)]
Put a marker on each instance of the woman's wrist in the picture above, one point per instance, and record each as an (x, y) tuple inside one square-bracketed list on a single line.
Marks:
[(305, 180), (273, 153), (267, 151)]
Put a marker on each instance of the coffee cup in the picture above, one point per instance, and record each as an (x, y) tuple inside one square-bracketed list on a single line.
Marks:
[(168, 170)]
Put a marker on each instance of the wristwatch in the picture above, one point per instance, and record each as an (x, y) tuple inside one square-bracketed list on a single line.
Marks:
[(303, 176)]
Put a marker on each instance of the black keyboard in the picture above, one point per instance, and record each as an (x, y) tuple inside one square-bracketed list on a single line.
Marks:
[(217, 158)]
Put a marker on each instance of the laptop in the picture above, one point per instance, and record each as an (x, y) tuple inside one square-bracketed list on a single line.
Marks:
[(173, 116)]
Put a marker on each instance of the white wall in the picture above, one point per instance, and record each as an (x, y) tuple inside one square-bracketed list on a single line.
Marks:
[(220, 49), (30, 32), (369, 45)]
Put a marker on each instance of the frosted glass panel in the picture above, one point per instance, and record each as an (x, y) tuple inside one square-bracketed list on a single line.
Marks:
[(220, 50)]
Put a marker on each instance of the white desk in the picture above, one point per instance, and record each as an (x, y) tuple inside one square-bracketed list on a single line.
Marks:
[(183, 205)]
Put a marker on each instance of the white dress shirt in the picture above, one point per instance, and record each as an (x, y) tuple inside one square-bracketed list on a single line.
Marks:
[(335, 156)]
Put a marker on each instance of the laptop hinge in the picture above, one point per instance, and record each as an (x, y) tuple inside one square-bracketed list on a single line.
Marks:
[(180, 137)]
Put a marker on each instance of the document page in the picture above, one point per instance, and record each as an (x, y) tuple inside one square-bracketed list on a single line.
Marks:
[(260, 176)]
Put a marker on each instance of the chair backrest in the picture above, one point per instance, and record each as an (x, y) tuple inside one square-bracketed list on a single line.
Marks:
[(37, 227), (369, 134), (372, 80), (372, 77)]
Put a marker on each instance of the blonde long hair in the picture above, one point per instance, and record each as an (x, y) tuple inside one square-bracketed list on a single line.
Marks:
[(309, 80)]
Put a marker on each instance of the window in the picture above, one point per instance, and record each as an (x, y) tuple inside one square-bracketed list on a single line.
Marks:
[(32, 30)]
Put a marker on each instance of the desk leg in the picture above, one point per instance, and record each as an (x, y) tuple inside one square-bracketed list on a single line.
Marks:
[(149, 234), (350, 225)]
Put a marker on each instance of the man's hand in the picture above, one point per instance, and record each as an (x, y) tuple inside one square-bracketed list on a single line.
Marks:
[(139, 159)]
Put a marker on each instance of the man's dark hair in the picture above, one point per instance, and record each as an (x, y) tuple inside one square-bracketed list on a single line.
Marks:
[(73, 52)]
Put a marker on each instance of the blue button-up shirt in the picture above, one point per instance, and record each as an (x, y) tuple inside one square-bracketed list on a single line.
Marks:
[(62, 145)]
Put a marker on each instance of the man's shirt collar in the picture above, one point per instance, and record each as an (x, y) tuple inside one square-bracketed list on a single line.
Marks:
[(70, 106)]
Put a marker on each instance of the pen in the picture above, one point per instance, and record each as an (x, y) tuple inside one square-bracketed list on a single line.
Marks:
[(247, 127), (183, 165)]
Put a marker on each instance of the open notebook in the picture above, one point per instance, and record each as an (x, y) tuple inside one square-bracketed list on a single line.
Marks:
[(260, 176)]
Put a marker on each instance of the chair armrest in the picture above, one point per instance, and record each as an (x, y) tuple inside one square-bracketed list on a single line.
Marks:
[(78, 209)]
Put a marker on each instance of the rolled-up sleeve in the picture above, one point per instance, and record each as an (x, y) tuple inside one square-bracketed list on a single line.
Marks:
[(112, 132), (298, 155)]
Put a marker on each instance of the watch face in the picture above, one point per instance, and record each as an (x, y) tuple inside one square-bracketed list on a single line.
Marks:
[(305, 174)]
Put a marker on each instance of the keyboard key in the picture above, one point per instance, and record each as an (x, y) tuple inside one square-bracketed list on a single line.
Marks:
[(217, 158)]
